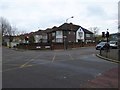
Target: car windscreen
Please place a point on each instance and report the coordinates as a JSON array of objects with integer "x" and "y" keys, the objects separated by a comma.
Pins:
[
  {"x": 102, "y": 43},
  {"x": 113, "y": 42}
]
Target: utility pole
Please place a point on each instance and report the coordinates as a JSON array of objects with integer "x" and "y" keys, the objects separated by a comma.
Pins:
[{"x": 65, "y": 35}]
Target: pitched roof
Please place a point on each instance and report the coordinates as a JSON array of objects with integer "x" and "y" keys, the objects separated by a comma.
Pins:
[
  {"x": 39, "y": 32},
  {"x": 86, "y": 31},
  {"x": 49, "y": 30},
  {"x": 69, "y": 26},
  {"x": 65, "y": 26}
]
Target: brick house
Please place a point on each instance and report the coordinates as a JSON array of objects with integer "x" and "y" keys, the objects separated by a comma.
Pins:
[
  {"x": 41, "y": 36},
  {"x": 65, "y": 36},
  {"x": 67, "y": 33}
]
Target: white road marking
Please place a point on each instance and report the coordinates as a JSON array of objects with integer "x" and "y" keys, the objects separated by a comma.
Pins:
[
  {"x": 25, "y": 64},
  {"x": 10, "y": 69},
  {"x": 53, "y": 58},
  {"x": 71, "y": 57}
]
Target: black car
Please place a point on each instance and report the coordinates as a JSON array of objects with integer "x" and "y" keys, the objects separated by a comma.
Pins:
[{"x": 101, "y": 46}]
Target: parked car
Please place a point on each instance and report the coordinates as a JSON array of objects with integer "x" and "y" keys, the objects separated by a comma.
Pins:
[
  {"x": 101, "y": 46},
  {"x": 113, "y": 44}
]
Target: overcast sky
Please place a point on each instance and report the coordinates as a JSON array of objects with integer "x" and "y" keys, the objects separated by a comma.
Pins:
[{"x": 31, "y": 15}]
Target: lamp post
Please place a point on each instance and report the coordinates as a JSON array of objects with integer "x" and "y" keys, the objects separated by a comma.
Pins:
[
  {"x": 65, "y": 34},
  {"x": 68, "y": 19}
]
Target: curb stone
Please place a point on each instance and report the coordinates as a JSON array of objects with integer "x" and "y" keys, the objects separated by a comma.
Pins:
[{"x": 108, "y": 59}]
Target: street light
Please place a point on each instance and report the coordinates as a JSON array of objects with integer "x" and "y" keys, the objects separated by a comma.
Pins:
[
  {"x": 68, "y": 19},
  {"x": 65, "y": 36}
]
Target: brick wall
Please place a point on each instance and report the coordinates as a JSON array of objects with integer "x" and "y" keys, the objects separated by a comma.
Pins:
[
  {"x": 71, "y": 45},
  {"x": 53, "y": 46},
  {"x": 34, "y": 46}
]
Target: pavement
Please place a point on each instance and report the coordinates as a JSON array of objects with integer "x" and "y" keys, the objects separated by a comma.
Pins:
[{"x": 108, "y": 79}]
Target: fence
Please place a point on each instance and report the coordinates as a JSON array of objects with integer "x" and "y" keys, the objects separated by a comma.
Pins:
[{"x": 112, "y": 54}]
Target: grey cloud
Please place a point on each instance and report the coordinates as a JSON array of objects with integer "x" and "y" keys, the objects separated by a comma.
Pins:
[
  {"x": 95, "y": 11},
  {"x": 47, "y": 13}
]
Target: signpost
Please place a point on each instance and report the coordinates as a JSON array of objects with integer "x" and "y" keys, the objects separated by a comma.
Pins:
[{"x": 107, "y": 39}]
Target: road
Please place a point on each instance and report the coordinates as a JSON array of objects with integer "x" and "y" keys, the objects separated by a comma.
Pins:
[{"x": 52, "y": 69}]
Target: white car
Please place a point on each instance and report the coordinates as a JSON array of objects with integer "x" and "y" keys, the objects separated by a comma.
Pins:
[{"x": 113, "y": 44}]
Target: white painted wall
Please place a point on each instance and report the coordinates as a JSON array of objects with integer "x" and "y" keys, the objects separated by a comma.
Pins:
[
  {"x": 78, "y": 36},
  {"x": 12, "y": 44}
]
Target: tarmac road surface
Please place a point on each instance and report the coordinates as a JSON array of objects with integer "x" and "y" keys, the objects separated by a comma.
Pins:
[{"x": 55, "y": 69}]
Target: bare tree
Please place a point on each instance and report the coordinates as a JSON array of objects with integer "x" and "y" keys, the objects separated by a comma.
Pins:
[
  {"x": 14, "y": 31},
  {"x": 23, "y": 32},
  {"x": 95, "y": 31},
  {"x": 5, "y": 27}
]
